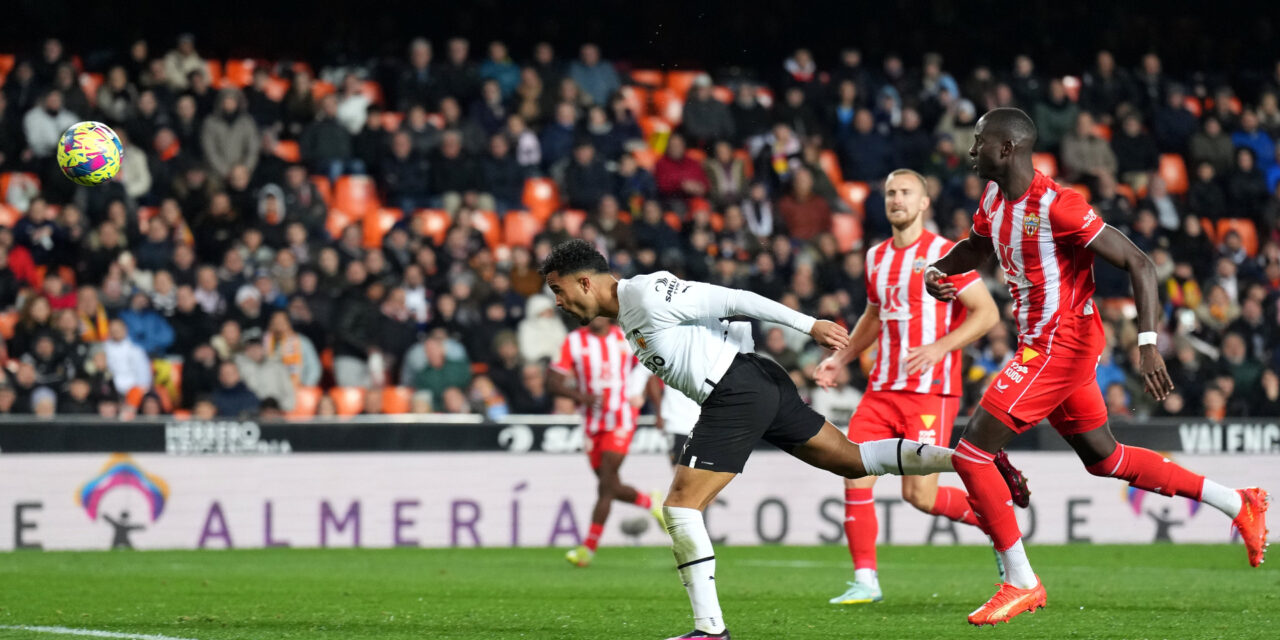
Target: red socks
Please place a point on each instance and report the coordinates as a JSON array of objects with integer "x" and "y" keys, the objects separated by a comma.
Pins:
[
  {"x": 643, "y": 500},
  {"x": 593, "y": 536},
  {"x": 861, "y": 527},
  {"x": 953, "y": 503},
  {"x": 1148, "y": 470},
  {"x": 988, "y": 494}
]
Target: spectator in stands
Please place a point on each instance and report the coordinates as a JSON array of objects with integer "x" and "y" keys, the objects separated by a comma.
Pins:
[
  {"x": 608, "y": 139},
  {"x": 1251, "y": 136},
  {"x": 706, "y": 119},
  {"x": 1211, "y": 145},
  {"x": 557, "y": 136},
  {"x": 911, "y": 143},
  {"x": 181, "y": 61},
  {"x": 1246, "y": 187},
  {"x": 1235, "y": 362},
  {"x": 416, "y": 84},
  {"x": 405, "y": 176},
  {"x": 1267, "y": 402},
  {"x": 456, "y": 178},
  {"x": 1205, "y": 197},
  {"x": 1105, "y": 87},
  {"x": 502, "y": 176},
  {"x": 1174, "y": 125},
  {"x": 434, "y": 369},
  {"x": 147, "y": 328},
  {"x": 229, "y": 137},
  {"x": 266, "y": 377},
  {"x": 499, "y": 67},
  {"x": 457, "y": 76},
  {"x": 473, "y": 135},
  {"x": 325, "y": 145},
  {"x": 541, "y": 332},
  {"x": 804, "y": 212},
  {"x": 726, "y": 176},
  {"x": 867, "y": 155},
  {"x": 232, "y": 397},
  {"x": 1135, "y": 152},
  {"x": 126, "y": 360},
  {"x": 586, "y": 180},
  {"x": 679, "y": 177},
  {"x": 1085, "y": 156},
  {"x": 489, "y": 112},
  {"x": 527, "y": 146},
  {"x": 43, "y": 125},
  {"x": 595, "y": 75}
]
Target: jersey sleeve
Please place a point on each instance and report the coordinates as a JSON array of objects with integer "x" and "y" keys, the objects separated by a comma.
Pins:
[
  {"x": 1073, "y": 220},
  {"x": 963, "y": 280},
  {"x": 686, "y": 301},
  {"x": 982, "y": 217},
  {"x": 564, "y": 364},
  {"x": 873, "y": 296}
]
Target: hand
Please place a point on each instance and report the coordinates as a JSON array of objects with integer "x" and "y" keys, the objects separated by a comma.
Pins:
[
  {"x": 829, "y": 335},
  {"x": 924, "y": 358},
  {"x": 1155, "y": 377},
  {"x": 590, "y": 400},
  {"x": 935, "y": 282},
  {"x": 825, "y": 374},
  {"x": 659, "y": 423}
]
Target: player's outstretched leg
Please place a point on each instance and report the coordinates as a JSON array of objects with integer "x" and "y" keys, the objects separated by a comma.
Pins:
[
  {"x": 989, "y": 495},
  {"x": 691, "y": 491},
  {"x": 1151, "y": 471},
  {"x": 831, "y": 450}
]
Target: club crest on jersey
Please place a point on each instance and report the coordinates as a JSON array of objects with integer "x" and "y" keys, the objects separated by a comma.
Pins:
[
  {"x": 635, "y": 335},
  {"x": 918, "y": 265},
  {"x": 1031, "y": 224}
]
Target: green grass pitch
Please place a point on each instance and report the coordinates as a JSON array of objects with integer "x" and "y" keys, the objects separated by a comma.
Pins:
[{"x": 1132, "y": 592}]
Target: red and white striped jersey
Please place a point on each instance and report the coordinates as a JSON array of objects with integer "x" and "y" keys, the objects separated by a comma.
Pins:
[
  {"x": 1042, "y": 241},
  {"x": 601, "y": 366},
  {"x": 910, "y": 317}
]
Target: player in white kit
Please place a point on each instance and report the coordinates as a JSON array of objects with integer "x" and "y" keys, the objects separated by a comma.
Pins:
[{"x": 677, "y": 329}]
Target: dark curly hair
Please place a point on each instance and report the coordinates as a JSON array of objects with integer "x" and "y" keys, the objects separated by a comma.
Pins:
[{"x": 574, "y": 256}]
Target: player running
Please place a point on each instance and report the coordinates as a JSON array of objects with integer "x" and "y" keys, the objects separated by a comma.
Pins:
[
  {"x": 915, "y": 389},
  {"x": 600, "y": 360},
  {"x": 1045, "y": 238},
  {"x": 676, "y": 329}
]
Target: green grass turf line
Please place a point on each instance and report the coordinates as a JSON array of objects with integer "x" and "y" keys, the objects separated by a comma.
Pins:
[{"x": 1132, "y": 592}]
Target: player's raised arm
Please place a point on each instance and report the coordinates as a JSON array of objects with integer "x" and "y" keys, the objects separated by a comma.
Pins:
[
  {"x": 691, "y": 301},
  {"x": 965, "y": 256},
  {"x": 863, "y": 335},
  {"x": 1117, "y": 249},
  {"x": 980, "y": 315}
]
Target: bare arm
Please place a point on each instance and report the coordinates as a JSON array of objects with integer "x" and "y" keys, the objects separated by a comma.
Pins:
[
  {"x": 1117, "y": 249},
  {"x": 558, "y": 384},
  {"x": 863, "y": 335},
  {"x": 965, "y": 256},
  {"x": 653, "y": 390},
  {"x": 981, "y": 314}
]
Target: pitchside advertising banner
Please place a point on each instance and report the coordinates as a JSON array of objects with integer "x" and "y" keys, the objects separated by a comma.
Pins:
[{"x": 162, "y": 501}]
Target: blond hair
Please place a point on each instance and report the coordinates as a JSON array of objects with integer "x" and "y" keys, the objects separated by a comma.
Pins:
[{"x": 924, "y": 186}]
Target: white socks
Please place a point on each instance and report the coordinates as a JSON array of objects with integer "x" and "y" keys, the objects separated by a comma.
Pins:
[
  {"x": 867, "y": 577},
  {"x": 696, "y": 563},
  {"x": 904, "y": 457},
  {"x": 1017, "y": 568},
  {"x": 1222, "y": 498}
]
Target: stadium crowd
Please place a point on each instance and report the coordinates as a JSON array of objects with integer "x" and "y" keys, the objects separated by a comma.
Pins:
[{"x": 375, "y": 231}]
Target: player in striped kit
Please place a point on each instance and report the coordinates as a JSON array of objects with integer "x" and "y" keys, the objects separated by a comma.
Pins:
[
  {"x": 599, "y": 359},
  {"x": 1045, "y": 238},
  {"x": 914, "y": 390}
]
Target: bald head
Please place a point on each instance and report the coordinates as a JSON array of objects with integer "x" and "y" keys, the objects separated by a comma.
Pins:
[{"x": 1012, "y": 125}]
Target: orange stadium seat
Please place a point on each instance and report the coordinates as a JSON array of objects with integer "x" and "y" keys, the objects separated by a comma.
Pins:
[
  {"x": 276, "y": 88},
  {"x": 1045, "y": 163},
  {"x": 396, "y": 400},
  {"x": 391, "y": 120},
  {"x": 847, "y": 230},
  {"x": 357, "y": 195},
  {"x": 541, "y": 197},
  {"x": 377, "y": 224},
  {"x": 305, "y": 400},
  {"x": 1192, "y": 104},
  {"x": 647, "y": 158},
  {"x": 1174, "y": 172},
  {"x": 519, "y": 228},
  {"x": 681, "y": 82},
  {"x": 320, "y": 89},
  {"x": 8, "y": 320},
  {"x": 348, "y": 401},
  {"x": 698, "y": 155},
  {"x": 1243, "y": 226},
  {"x": 668, "y": 104},
  {"x": 723, "y": 94},
  {"x": 747, "y": 163},
  {"x": 9, "y": 216},
  {"x": 654, "y": 127},
  {"x": 89, "y": 83},
  {"x": 855, "y": 195},
  {"x": 337, "y": 221},
  {"x": 432, "y": 223},
  {"x": 831, "y": 166},
  {"x": 1082, "y": 189},
  {"x": 1127, "y": 191},
  {"x": 573, "y": 219},
  {"x": 1102, "y": 131},
  {"x": 673, "y": 220},
  {"x": 214, "y": 69},
  {"x": 324, "y": 187},
  {"x": 488, "y": 224},
  {"x": 1210, "y": 230},
  {"x": 372, "y": 90},
  {"x": 652, "y": 78},
  {"x": 10, "y": 176},
  {"x": 288, "y": 151},
  {"x": 239, "y": 72},
  {"x": 7, "y": 60}
]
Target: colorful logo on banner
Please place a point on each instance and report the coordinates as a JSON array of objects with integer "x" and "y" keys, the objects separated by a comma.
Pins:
[
  {"x": 1136, "y": 496},
  {"x": 122, "y": 472}
]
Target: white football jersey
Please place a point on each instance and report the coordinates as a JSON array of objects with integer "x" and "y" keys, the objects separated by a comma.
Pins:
[{"x": 680, "y": 332}]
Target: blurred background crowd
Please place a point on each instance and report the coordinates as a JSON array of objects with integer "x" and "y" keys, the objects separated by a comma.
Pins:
[{"x": 286, "y": 240}]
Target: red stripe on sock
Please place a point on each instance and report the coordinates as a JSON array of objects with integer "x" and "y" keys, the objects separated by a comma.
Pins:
[
  {"x": 593, "y": 536},
  {"x": 953, "y": 503},
  {"x": 1150, "y": 471},
  {"x": 989, "y": 497},
  {"x": 861, "y": 527}
]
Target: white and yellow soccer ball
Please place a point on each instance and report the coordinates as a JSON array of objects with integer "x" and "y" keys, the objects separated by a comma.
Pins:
[{"x": 89, "y": 153}]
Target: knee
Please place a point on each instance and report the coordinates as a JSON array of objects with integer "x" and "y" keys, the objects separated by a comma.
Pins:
[{"x": 919, "y": 498}]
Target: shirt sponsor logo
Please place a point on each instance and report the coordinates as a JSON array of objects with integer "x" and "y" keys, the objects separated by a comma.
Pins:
[
  {"x": 1090, "y": 217},
  {"x": 1015, "y": 371}
]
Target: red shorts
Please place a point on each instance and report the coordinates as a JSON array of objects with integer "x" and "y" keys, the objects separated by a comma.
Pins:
[
  {"x": 922, "y": 417},
  {"x": 618, "y": 440},
  {"x": 1033, "y": 387}
]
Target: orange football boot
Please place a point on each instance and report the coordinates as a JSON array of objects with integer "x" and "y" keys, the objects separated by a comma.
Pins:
[
  {"x": 1252, "y": 523},
  {"x": 1008, "y": 602}
]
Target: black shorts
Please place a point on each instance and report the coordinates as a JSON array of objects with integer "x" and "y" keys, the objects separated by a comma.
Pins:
[
  {"x": 678, "y": 441},
  {"x": 755, "y": 399}
]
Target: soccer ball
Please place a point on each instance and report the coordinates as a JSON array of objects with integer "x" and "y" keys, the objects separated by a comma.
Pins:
[{"x": 89, "y": 153}]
